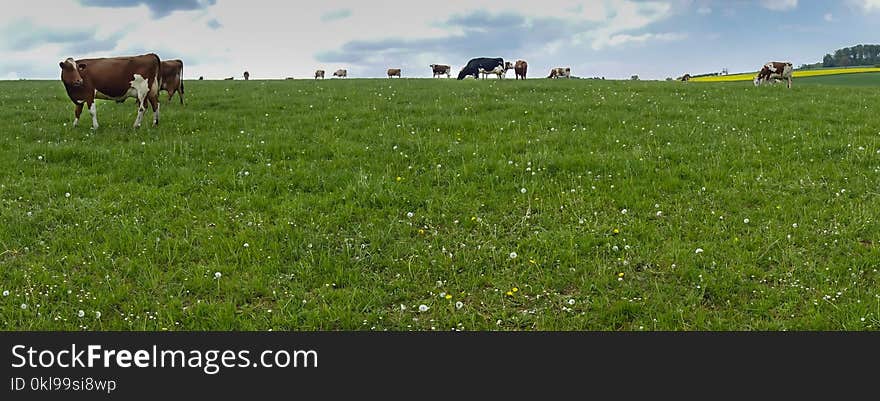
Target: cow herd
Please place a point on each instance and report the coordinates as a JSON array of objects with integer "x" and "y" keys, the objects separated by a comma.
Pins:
[
  {"x": 476, "y": 68},
  {"x": 142, "y": 77}
]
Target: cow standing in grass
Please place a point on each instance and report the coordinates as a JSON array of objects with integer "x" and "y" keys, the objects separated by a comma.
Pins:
[
  {"x": 520, "y": 68},
  {"x": 560, "y": 72},
  {"x": 319, "y": 74},
  {"x": 775, "y": 70},
  {"x": 172, "y": 78},
  {"x": 440, "y": 69},
  {"x": 394, "y": 72},
  {"x": 474, "y": 66},
  {"x": 340, "y": 73},
  {"x": 114, "y": 78}
]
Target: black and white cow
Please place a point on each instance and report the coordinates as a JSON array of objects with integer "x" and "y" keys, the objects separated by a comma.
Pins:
[
  {"x": 474, "y": 65},
  {"x": 774, "y": 70}
]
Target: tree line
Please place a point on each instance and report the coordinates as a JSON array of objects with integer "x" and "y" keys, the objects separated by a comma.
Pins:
[{"x": 851, "y": 56}]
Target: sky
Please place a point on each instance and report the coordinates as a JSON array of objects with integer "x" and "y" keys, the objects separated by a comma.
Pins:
[{"x": 274, "y": 39}]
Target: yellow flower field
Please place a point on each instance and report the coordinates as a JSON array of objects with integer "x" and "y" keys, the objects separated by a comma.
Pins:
[{"x": 797, "y": 74}]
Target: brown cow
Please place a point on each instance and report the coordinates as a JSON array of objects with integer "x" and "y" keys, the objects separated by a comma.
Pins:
[
  {"x": 440, "y": 69},
  {"x": 394, "y": 72},
  {"x": 172, "y": 78},
  {"x": 115, "y": 78},
  {"x": 560, "y": 72},
  {"x": 520, "y": 69},
  {"x": 775, "y": 70},
  {"x": 319, "y": 74}
]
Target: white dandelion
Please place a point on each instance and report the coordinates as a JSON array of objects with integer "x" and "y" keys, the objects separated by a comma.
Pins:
[
  {"x": 698, "y": 251},
  {"x": 81, "y": 313},
  {"x": 410, "y": 214},
  {"x": 217, "y": 275},
  {"x": 513, "y": 255},
  {"x": 423, "y": 308},
  {"x": 459, "y": 305}
]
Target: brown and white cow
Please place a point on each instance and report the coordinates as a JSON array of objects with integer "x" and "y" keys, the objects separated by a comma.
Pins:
[
  {"x": 394, "y": 72},
  {"x": 319, "y": 74},
  {"x": 520, "y": 68},
  {"x": 775, "y": 70},
  {"x": 114, "y": 78},
  {"x": 440, "y": 69},
  {"x": 340, "y": 73},
  {"x": 172, "y": 78},
  {"x": 560, "y": 72}
]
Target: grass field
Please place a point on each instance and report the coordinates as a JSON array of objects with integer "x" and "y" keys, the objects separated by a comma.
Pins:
[{"x": 492, "y": 205}]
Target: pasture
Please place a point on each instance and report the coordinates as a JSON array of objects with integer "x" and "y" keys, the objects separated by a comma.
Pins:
[{"x": 441, "y": 204}]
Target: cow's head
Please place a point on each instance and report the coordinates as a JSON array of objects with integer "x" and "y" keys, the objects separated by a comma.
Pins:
[
  {"x": 70, "y": 72},
  {"x": 508, "y": 65}
]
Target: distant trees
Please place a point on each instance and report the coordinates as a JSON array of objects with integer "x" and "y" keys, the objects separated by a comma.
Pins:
[{"x": 856, "y": 55}]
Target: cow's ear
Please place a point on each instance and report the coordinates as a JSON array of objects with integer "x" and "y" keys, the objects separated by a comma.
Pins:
[
  {"x": 81, "y": 66},
  {"x": 61, "y": 64}
]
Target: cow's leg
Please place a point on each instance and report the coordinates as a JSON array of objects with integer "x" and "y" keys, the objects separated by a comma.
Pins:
[
  {"x": 76, "y": 112},
  {"x": 93, "y": 110},
  {"x": 154, "y": 103},
  {"x": 141, "y": 109},
  {"x": 789, "y": 82}
]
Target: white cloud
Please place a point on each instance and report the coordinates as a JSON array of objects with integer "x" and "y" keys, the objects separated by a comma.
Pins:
[
  {"x": 779, "y": 5},
  {"x": 704, "y": 10},
  {"x": 623, "y": 38},
  {"x": 870, "y": 5},
  {"x": 828, "y": 17},
  {"x": 275, "y": 39}
]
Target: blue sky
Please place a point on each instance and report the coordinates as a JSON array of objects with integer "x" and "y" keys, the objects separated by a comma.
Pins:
[{"x": 277, "y": 39}]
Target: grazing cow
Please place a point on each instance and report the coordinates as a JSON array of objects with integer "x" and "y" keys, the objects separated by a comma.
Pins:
[
  {"x": 685, "y": 78},
  {"x": 440, "y": 69},
  {"x": 201, "y": 78},
  {"x": 341, "y": 73},
  {"x": 520, "y": 69},
  {"x": 228, "y": 79},
  {"x": 775, "y": 70},
  {"x": 560, "y": 72},
  {"x": 394, "y": 72},
  {"x": 319, "y": 74},
  {"x": 247, "y": 75},
  {"x": 172, "y": 78},
  {"x": 474, "y": 65},
  {"x": 115, "y": 78}
]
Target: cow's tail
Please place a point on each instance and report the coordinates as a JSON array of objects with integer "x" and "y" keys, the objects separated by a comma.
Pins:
[
  {"x": 158, "y": 78},
  {"x": 180, "y": 79}
]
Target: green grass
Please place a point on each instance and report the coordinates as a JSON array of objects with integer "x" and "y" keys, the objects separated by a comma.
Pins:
[
  {"x": 866, "y": 79},
  {"x": 306, "y": 174}
]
